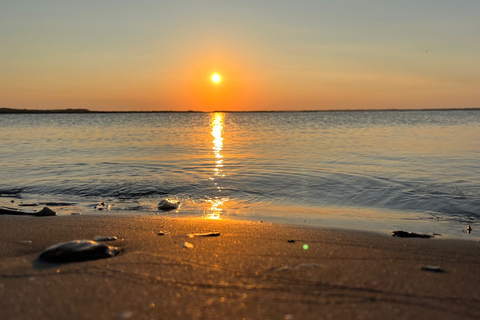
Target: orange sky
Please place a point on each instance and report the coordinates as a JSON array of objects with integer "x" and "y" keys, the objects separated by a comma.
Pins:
[{"x": 271, "y": 56}]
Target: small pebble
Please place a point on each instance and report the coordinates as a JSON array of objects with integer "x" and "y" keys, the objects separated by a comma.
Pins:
[
  {"x": 76, "y": 213},
  {"x": 162, "y": 233},
  {"x": 291, "y": 241}
]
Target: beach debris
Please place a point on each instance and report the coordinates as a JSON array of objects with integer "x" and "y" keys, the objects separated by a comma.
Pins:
[
  {"x": 291, "y": 241},
  {"x": 469, "y": 229},
  {"x": 168, "y": 205},
  {"x": 432, "y": 268},
  {"x": 162, "y": 233},
  {"x": 187, "y": 245},
  {"x": 303, "y": 265},
  {"x": 78, "y": 250},
  {"x": 205, "y": 234},
  {"x": 46, "y": 211},
  {"x": 103, "y": 206},
  {"x": 12, "y": 201},
  {"x": 105, "y": 238},
  {"x": 405, "y": 234}
]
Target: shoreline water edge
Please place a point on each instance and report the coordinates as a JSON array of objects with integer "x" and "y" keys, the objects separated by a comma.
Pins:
[{"x": 366, "y": 170}]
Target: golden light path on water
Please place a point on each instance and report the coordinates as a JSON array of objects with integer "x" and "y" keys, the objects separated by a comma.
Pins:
[{"x": 216, "y": 123}]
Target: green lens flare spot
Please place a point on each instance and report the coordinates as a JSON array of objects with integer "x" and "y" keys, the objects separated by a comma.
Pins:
[{"x": 305, "y": 247}]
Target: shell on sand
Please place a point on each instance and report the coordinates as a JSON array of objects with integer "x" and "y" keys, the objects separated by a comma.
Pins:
[{"x": 78, "y": 250}]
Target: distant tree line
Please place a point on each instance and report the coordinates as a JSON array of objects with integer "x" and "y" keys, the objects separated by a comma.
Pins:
[{"x": 12, "y": 110}]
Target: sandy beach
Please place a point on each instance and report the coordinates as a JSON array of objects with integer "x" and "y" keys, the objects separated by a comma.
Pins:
[{"x": 250, "y": 271}]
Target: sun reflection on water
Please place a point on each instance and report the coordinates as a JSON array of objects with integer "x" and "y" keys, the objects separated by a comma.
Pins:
[{"x": 216, "y": 210}]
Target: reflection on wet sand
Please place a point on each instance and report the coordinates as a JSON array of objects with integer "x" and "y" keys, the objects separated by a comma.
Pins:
[{"x": 217, "y": 202}]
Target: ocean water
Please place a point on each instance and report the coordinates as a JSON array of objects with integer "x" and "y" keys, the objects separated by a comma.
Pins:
[{"x": 384, "y": 170}]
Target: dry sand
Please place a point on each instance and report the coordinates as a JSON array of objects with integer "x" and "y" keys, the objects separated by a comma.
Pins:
[{"x": 250, "y": 271}]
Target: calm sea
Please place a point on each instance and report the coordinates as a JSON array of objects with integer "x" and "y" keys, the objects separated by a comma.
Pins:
[{"x": 416, "y": 170}]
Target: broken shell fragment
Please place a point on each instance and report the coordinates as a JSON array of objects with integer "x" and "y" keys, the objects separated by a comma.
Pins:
[
  {"x": 187, "y": 245},
  {"x": 432, "y": 268}
]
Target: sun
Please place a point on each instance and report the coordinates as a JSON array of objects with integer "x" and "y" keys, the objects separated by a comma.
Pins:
[{"x": 216, "y": 78}]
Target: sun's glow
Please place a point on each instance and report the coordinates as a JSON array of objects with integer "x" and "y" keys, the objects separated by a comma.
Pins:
[{"x": 216, "y": 78}]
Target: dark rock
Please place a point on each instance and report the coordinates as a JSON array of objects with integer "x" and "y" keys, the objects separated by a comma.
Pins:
[
  {"x": 405, "y": 234},
  {"x": 166, "y": 205},
  {"x": 291, "y": 241},
  {"x": 41, "y": 213},
  {"x": 78, "y": 250},
  {"x": 46, "y": 211}
]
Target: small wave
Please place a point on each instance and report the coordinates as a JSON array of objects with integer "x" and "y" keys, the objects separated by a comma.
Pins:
[{"x": 10, "y": 192}]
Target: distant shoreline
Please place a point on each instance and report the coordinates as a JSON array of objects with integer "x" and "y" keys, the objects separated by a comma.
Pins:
[{"x": 52, "y": 111}]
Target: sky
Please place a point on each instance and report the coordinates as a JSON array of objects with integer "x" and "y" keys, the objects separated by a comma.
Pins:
[{"x": 271, "y": 55}]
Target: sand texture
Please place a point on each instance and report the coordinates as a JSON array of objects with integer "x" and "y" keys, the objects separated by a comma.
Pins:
[{"x": 249, "y": 271}]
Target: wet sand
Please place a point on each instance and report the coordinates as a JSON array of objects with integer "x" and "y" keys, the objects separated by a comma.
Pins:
[{"x": 249, "y": 271}]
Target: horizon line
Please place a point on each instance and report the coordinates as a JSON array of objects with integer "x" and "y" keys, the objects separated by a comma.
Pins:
[{"x": 83, "y": 110}]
